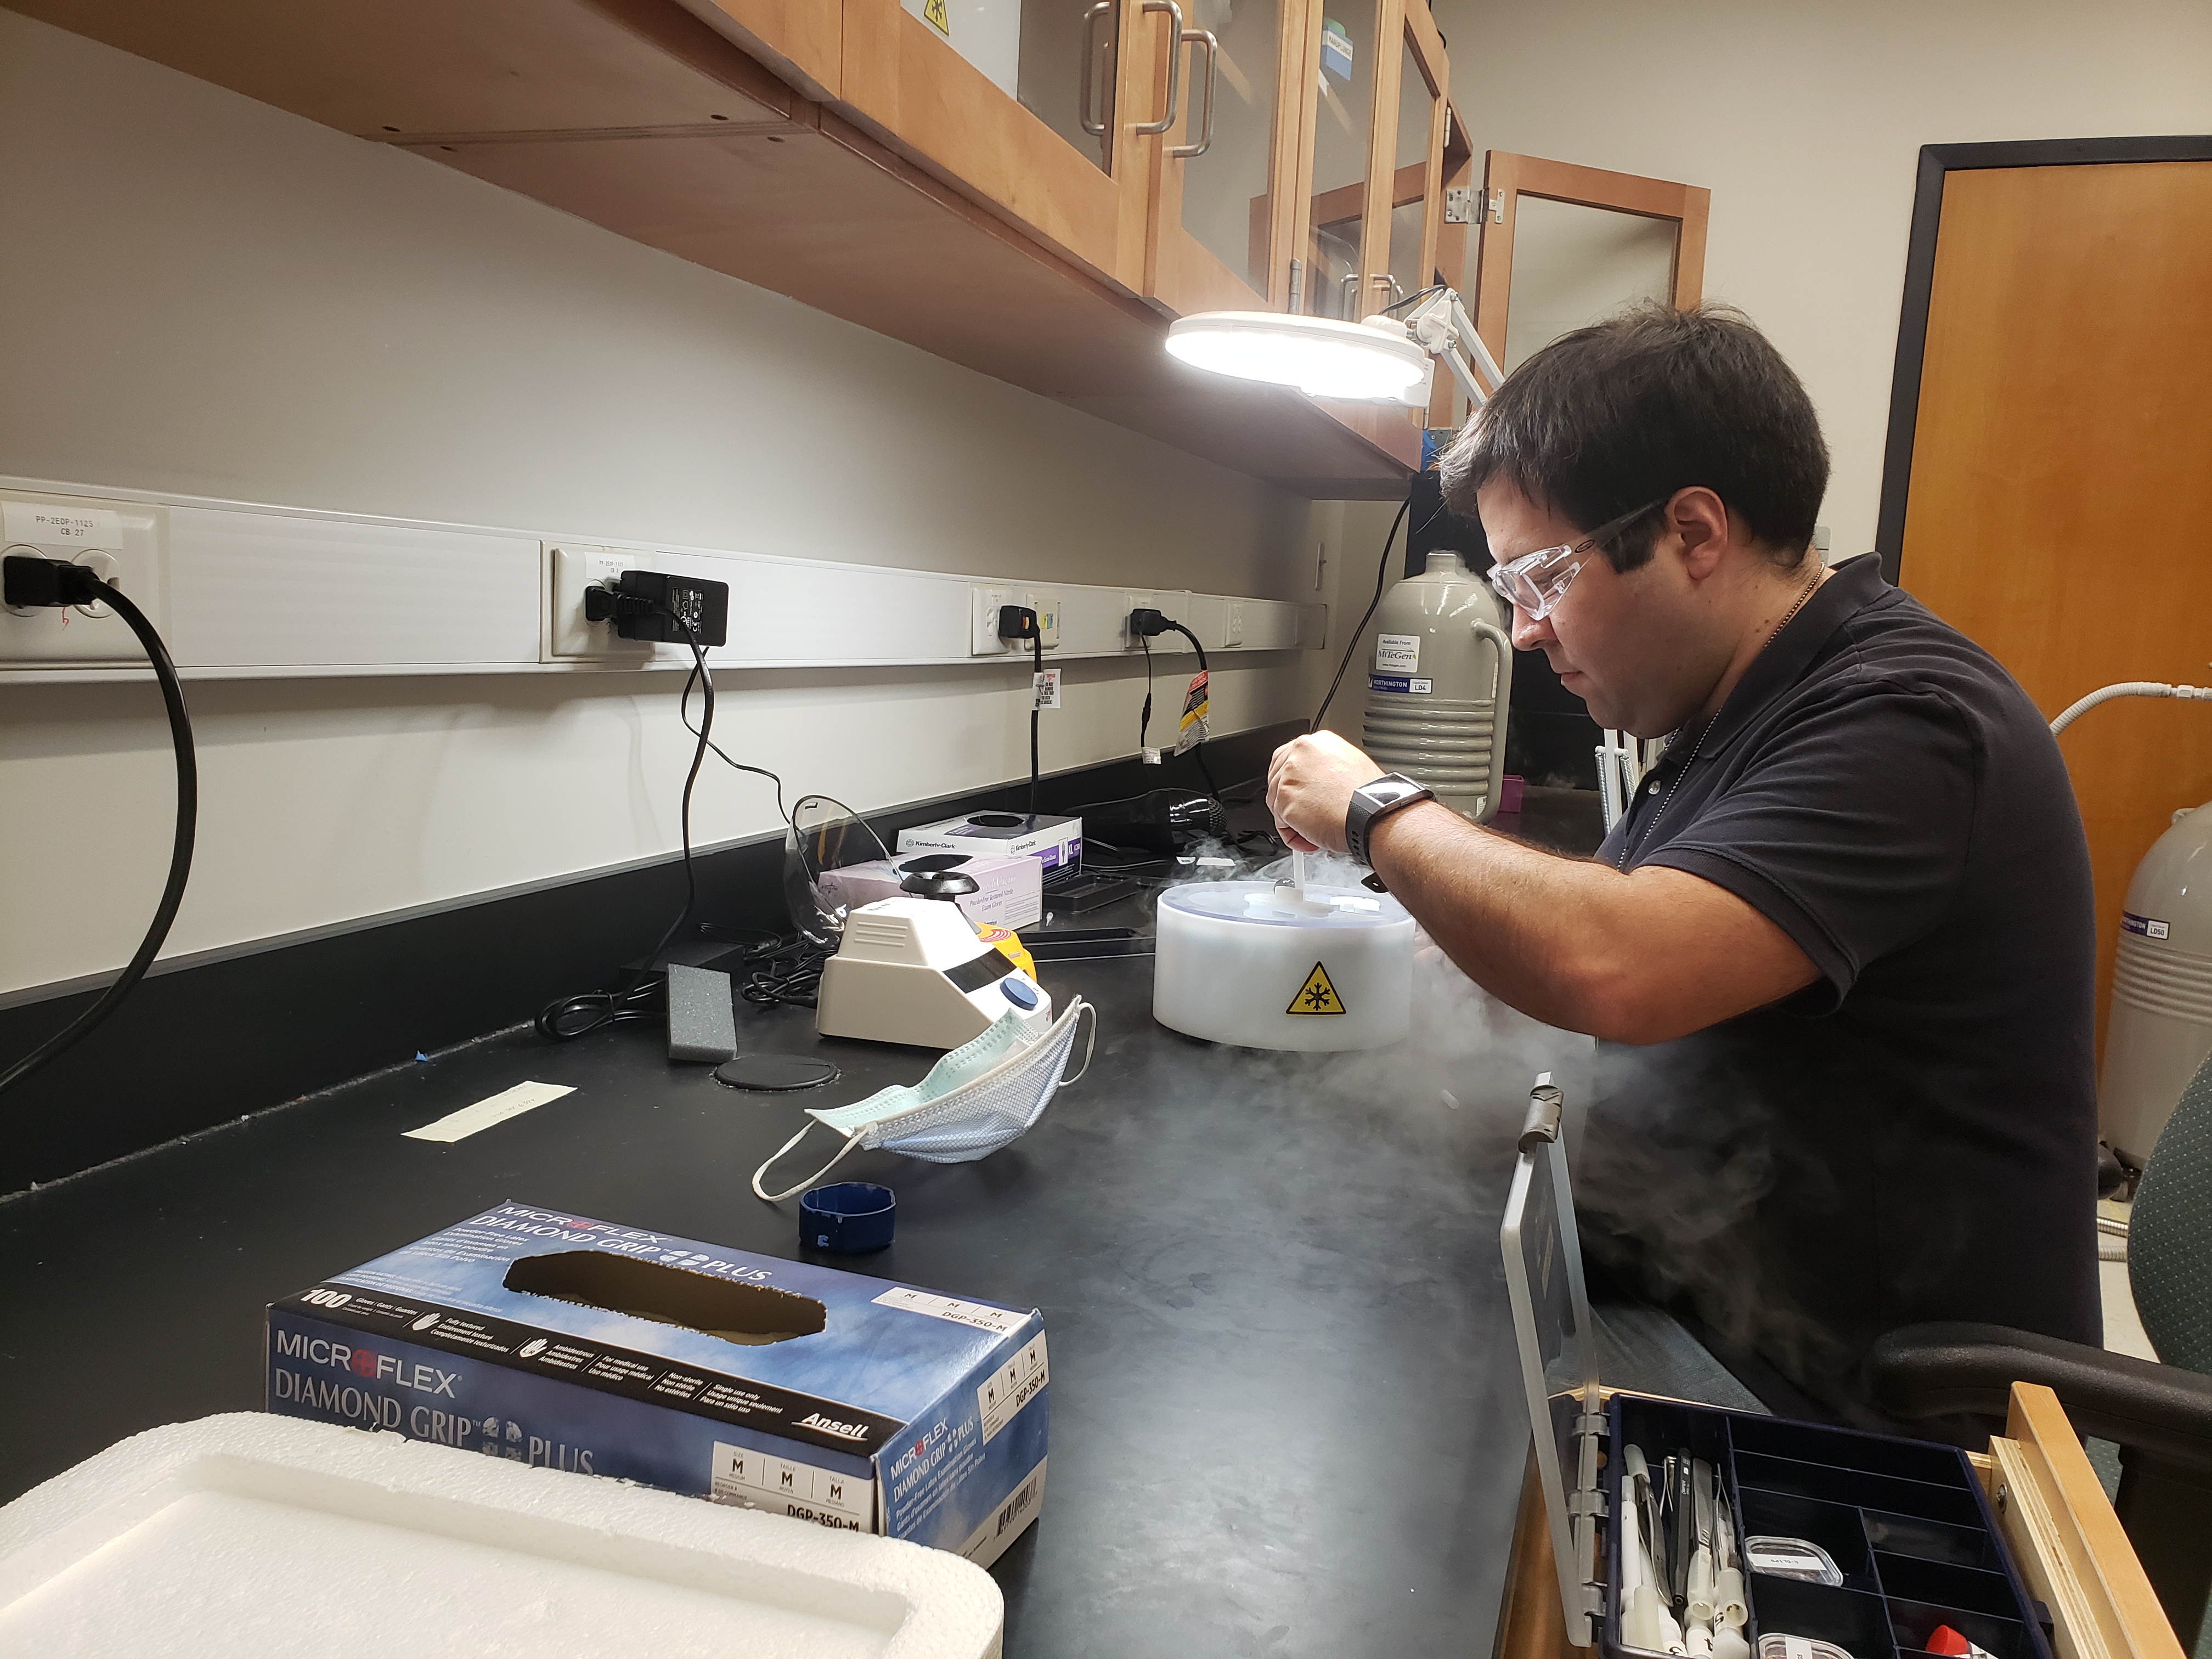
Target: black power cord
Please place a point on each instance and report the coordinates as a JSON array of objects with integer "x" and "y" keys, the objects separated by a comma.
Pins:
[
  {"x": 1144, "y": 623},
  {"x": 1381, "y": 579},
  {"x": 54, "y": 582},
  {"x": 645, "y": 995},
  {"x": 1018, "y": 622}
]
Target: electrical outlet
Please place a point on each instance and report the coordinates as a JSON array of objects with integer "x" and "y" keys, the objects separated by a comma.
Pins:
[
  {"x": 122, "y": 540},
  {"x": 571, "y": 569},
  {"x": 1233, "y": 632},
  {"x": 1132, "y": 601},
  {"x": 983, "y": 639},
  {"x": 1046, "y": 606}
]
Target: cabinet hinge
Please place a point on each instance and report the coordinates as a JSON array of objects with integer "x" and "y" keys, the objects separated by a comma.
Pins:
[
  {"x": 1459, "y": 204},
  {"x": 1497, "y": 207}
]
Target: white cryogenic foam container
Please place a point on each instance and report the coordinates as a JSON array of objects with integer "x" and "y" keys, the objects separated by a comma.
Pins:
[
  {"x": 1242, "y": 962},
  {"x": 248, "y": 1536}
]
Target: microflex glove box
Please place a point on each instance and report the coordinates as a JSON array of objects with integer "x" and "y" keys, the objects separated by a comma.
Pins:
[{"x": 549, "y": 1338}]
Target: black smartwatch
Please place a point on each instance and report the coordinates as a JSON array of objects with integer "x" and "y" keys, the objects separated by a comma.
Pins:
[{"x": 1373, "y": 801}]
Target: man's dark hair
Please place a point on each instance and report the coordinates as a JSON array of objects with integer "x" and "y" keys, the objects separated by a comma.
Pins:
[{"x": 1631, "y": 410}]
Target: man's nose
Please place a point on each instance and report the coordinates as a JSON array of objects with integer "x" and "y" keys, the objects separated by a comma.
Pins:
[{"x": 1528, "y": 633}]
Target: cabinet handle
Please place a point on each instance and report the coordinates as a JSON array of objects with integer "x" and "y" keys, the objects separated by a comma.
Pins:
[
  {"x": 1200, "y": 38},
  {"x": 1085, "y": 97},
  {"x": 1153, "y": 129}
]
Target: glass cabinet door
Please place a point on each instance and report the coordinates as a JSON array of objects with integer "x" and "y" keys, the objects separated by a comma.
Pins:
[
  {"x": 1346, "y": 68},
  {"x": 1378, "y": 125},
  {"x": 1416, "y": 202},
  {"x": 1225, "y": 216},
  {"x": 1042, "y": 108}
]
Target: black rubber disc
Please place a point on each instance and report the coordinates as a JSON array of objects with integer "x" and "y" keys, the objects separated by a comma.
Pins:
[{"x": 775, "y": 1072}]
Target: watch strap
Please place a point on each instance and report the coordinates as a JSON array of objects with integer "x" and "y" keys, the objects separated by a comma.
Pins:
[{"x": 1372, "y": 802}]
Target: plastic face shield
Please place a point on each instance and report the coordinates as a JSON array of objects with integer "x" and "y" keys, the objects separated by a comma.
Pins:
[
  {"x": 1558, "y": 1351},
  {"x": 823, "y": 834}
]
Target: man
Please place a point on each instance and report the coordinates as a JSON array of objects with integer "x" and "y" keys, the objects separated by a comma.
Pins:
[{"x": 1838, "y": 954}]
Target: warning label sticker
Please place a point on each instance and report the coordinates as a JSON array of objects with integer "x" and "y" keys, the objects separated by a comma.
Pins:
[
  {"x": 933, "y": 13},
  {"x": 1316, "y": 995}
]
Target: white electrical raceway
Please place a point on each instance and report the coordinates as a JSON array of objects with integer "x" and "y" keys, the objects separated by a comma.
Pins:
[{"x": 241, "y": 591}]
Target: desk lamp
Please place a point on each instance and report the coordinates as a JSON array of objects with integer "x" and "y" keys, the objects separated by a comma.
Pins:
[{"x": 1383, "y": 358}]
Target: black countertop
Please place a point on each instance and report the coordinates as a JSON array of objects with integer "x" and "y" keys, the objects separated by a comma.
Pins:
[{"x": 1285, "y": 1415}]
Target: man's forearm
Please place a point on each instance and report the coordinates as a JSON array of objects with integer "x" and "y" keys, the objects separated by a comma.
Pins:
[
  {"x": 1642, "y": 957},
  {"x": 1539, "y": 931}
]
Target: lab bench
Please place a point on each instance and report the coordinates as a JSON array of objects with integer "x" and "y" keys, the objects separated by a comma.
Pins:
[{"x": 1284, "y": 1417}]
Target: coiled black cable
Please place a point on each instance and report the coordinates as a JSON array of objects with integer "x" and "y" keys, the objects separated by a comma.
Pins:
[{"x": 180, "y": 848}]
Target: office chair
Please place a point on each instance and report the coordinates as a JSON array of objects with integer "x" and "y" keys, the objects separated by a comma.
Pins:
[{"x": 2160, "y": 1414}]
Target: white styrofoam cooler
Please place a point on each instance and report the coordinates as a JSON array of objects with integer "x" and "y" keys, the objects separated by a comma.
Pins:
[
  {"x": 250, "y": 1537},
  {"x": 1239, "y": 963}
]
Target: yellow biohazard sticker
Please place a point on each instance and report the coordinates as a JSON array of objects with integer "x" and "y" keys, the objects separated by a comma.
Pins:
[
  {"x": 1316, "y": 995},
  {"x": 933, "y": 13}
]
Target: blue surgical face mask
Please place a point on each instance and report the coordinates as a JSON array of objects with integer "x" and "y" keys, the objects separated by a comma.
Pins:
[{"x": 979, "y": 1097}]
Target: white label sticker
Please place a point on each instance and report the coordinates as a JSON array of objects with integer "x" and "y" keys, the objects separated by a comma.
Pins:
[
  {"x": 1397, "y": 653},
  {"x": 762, "y": 1480},
  {"x": 1012, "y": 1387},
  {"x": 492, "y": 1109},
  {"x": 40, "y": 524},
  {"x": 1421, "y": 688},
  {"x": 982, "y": 1317},
  {"x": 1047, "y": 689}
]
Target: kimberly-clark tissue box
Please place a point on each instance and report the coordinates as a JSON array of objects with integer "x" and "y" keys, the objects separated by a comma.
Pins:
[{"x": 551, "y": 1339}]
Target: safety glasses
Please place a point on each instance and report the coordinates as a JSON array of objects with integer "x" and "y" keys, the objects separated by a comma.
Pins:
[{"x": 1534, "y": 583}]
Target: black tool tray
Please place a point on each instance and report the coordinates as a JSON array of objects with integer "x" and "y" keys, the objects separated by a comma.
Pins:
[{"x": 1906, "y": 1522}]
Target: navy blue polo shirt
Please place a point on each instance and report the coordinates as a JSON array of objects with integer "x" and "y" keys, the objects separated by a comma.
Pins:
[{"x": 1913, "y": 1136}]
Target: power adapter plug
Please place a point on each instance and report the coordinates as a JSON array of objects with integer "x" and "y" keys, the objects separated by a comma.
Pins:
[
  {"x": 655, "y": 604},
  {"x": 1017, "y": 622}
]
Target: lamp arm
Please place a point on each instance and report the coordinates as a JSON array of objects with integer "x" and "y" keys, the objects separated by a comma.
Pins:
[
  {"x": 1464, "y": 326},
  {"x": 1442, "y": 328}
]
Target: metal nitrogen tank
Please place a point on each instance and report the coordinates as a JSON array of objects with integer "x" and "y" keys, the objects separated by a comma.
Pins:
[
  {"x": 1442, "y": 680},
  {"x": 1248, "y": 963},
  {"x": 2159, "y": 1027}
]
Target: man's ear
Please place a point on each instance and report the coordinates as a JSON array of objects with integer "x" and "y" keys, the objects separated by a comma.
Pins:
[{"x": 1697, "y": 521}]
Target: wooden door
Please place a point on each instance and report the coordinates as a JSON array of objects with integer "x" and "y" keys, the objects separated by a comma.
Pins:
[
  {"x": 2059, "y": 496},
  {"x": 1045, "y": 129}
]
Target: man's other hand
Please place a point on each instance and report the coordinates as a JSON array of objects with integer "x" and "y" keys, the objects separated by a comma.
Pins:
[{"x": 1310, "y": 784}]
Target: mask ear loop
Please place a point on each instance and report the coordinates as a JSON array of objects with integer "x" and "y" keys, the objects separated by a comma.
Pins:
[
  {"x": 851, "y": 1141},
  {"x": 1090, "y": 1043}
]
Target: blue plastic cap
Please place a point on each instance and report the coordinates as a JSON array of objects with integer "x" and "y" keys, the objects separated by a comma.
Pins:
[
  {"x": 848, "y": 1216},
  {"x": 1019, "y": 992}
]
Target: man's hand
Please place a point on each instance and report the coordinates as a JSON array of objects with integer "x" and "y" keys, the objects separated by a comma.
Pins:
[{"x": 1310, "y": 784}]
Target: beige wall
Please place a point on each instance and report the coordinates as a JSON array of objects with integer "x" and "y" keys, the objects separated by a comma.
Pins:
[
  {"x": 202, "y": 295},
  {"x": 1804, "y": 119}
]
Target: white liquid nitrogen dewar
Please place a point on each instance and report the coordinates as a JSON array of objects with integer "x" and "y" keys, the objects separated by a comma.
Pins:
[{"x": 1257, "y": 965}]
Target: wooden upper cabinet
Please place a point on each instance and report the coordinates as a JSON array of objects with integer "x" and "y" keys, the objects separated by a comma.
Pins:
[
  {"x": 802, "y": 41},
  {"x": 1037, "y": 109}
]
